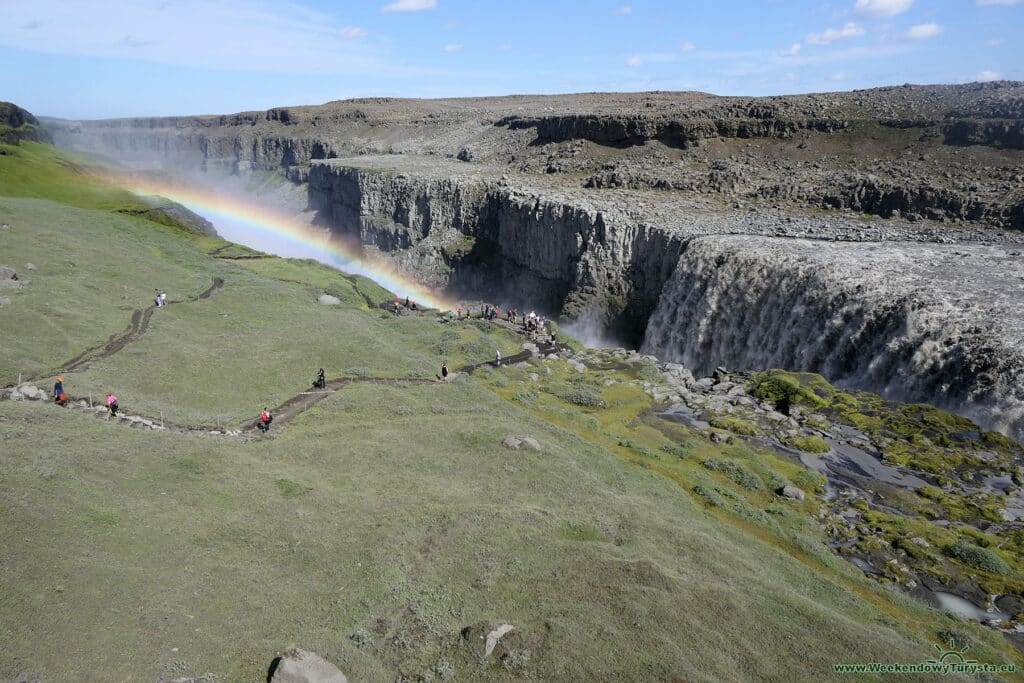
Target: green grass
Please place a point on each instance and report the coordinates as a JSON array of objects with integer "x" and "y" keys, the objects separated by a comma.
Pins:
[
  {"x": 392, "y": 514},
  {"x": 92, "y": 268}
]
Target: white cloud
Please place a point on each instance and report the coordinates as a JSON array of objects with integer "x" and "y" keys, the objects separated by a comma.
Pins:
[
  {"x": 997, "y": 2},
  {"x": 504, "y": 47},
  {"x": 453, "y": 47},
  {"x": 839, "y": 76},
  {"x": 988, "y": 75},
  {"x": 351, "y": 32},
  {"x": 625, "y": 9},
  {"x": 687, "y": 47},
  {"x": 881, "y": 8},
  {"x": 409, "y": 6},
  {"x": 994, "y": 42},
  {"x": 230, "y": 35},
  {"x": 924, "y": 31},
  {"x": 850, "y": 30},
  {"x": 793, "y": 50},
  {"x": 634, "y": 61}
]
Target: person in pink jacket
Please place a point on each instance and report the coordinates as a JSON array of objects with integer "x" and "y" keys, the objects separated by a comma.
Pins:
[{"x": 112, "y": 404}]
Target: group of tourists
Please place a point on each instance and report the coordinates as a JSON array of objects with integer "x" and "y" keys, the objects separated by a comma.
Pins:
[
  {"x": 60, "y": 397},
  {"x": 532, "y": 324}
]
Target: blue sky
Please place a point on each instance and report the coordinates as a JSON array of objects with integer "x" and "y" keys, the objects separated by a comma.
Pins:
[{"x": 107, "y": 58}]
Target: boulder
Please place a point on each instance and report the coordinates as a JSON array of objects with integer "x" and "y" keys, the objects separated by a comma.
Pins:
[
  {"x": 518, "y": 442},
  {"x": 299, "y": 666},
  {"x": 328, "y": 300},
  {"x": 531, "y": 443},
  {"x": 8, "y": 273},
  {"x": 4, "y": 301},
  {"x": 494, "y": 636},
  {"x": 29, "y": 266},
  {"x": 31, "y": 392},
  {"x": 791, "y": 492}
]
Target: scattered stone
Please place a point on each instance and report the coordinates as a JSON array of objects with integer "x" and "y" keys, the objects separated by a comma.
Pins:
[
  {"x": 512, "y": 442},
  {"x": 494, "y": 636},
  {"x": 328, "y": 300},
  {"x": 533, "y": 376},
  {"x": 4, "y": 301},
  {"x": 29, "y": 266},
  {"x": 917, "y": 540},
  {"x": 8, "y": 273},
  {"x": 299, "y": 666},
  {"x": 791, "y": 492},
  {"x": 720, "y": 437}
]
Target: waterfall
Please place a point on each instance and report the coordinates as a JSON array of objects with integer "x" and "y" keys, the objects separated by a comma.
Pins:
[{"x": 938, "y": 324}]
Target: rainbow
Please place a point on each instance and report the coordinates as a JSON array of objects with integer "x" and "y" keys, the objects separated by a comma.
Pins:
[{"x": 265, "y": 221}]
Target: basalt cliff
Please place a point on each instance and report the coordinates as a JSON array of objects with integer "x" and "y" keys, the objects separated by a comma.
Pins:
[{"x": 873, "y": 236}]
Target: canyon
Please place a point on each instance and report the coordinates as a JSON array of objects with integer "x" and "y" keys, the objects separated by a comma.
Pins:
[{"x": 872, "y": 236}]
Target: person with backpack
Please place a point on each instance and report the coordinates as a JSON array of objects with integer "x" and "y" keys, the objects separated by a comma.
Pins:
[
  {"x": 60, "y": 397},
  {"x": 264, "y": 422},
  {"x": 444, "y": 372},
  {"x": 321, "y": 380},
  {"x": 112, "y": 404}
]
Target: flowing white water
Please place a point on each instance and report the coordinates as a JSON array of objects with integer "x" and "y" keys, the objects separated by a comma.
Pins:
[{"x": 941, "y": 324}]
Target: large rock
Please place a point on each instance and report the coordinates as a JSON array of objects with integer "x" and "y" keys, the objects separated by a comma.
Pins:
[
  {"x": 328, "y": 300},
  {"x": 32, "y": 392},
  {"x": 791, "y": 492},
  {"x": 8, "y": 273},
  {"x": 300, "y": 666},
  {"x": 518, "y": 442}
]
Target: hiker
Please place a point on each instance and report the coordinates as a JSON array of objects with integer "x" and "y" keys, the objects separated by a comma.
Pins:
[
  {"x": 414, "y": 305},
  {"x": 444, "y": 372},
  {"x": 59, "y": 396},
  {"x": 451, "y": 315},
  {"x": 407, "y": 302},
  {"x": 156, "y": 297},
  {"x": 264, "y": 422},
  {"x": 497, "y": 358},
  {"x": 112, "y": 404},
  {"x": 163, "y": 298},
  {"x": 321, "y": 380}
]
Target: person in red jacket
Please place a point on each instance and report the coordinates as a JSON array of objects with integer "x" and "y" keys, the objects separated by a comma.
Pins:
[{"x": 265, "y": 419}]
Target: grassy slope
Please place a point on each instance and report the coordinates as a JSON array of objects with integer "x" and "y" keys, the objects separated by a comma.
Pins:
[{"x": 392, "y": 513}]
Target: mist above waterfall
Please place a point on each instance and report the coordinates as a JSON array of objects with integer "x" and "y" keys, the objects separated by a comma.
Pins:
[{"x": 591, "y": 329}]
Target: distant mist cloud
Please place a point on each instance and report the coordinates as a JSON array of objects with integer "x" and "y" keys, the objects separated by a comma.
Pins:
[{"x": 453, "y": 47}]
